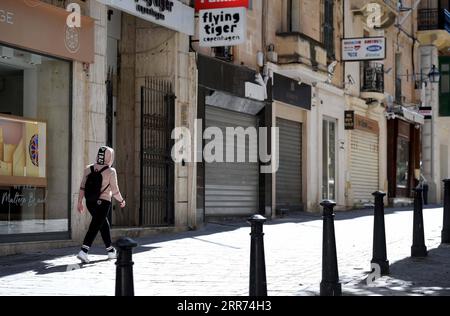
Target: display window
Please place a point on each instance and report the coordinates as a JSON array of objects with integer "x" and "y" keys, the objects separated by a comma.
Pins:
[{"x": 35, "y": 131}]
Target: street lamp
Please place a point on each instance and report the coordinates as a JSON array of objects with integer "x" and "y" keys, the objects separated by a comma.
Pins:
[{"x": 434, "y": 76}]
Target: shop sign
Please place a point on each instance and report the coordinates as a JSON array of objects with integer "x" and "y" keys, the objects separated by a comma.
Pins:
[
  {"x": 365, "y": 124},
  {"x": 37, "y": 26},
  {"x": 289, "y": 91},
  {"x": 222, "y": 27},
  {"x": 349, "y": 120},
  {"x": 368, "y": 48},
  {"x": 427, "y": 112},
  {"x": 219, "y": 4},
  {"x": 169, "y": 13}
]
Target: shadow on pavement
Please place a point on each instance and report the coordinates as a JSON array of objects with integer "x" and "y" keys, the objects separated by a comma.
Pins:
[
  {"x": 39, "y": 262},
  {"x": 428, "y": 276}
]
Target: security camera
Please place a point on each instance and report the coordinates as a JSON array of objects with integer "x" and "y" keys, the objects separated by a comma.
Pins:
[
  {"x": 331, "y": 70},
  {"x": 351, "y": 80},
  {"x": 332, "y": 67},
  {"x": 300, "y": 82}
]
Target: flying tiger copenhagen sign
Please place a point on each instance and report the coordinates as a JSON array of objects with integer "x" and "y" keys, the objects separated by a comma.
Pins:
[{"x": 221, "y": 22}]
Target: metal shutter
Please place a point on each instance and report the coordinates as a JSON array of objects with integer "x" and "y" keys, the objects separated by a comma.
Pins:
[
  {"x": 289, "y": 175},
  {"x": 364, "y": 166},
  {"x": 231, "y": 189}
]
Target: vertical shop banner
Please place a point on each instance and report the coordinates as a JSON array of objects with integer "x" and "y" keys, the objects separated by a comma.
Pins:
[
  {"x": 222, "y": 27},
  {"x": 219, "y": 4}
]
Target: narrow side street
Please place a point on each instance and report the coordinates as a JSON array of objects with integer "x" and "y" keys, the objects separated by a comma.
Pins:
[{"x": 214, "y": 261}]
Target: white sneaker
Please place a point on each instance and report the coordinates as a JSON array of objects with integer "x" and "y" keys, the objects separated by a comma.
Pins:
[
  {"x": 112, "y": 255},
  {"x": 83, "y": 257}
]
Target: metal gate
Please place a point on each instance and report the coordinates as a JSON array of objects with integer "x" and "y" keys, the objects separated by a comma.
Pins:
[
  {"x": 289, "y": 175},
  {"x": 364, "y": 166},
  {"x": 157, "y": 166},
  {"x": 232, "y": 188}
]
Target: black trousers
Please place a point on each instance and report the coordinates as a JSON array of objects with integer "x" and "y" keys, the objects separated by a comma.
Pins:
[{"x": 99, "y": 211}]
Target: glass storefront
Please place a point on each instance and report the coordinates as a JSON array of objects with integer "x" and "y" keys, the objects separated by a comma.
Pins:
[{"x": 35, "y": 131}]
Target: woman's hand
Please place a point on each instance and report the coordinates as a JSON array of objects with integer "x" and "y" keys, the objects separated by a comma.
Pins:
[
  {"x": 80, "y": 207},
  {"x": 123, "y": 204}
]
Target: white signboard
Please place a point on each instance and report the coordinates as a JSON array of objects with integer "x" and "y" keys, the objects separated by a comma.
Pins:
[
  {"x": 222, "y": 27},
  {"x": 169, "y": 13},
  {"x": 369, "y": 48}
]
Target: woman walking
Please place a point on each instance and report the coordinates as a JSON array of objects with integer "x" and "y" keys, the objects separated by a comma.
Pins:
[{"x": 98, "y": 187}]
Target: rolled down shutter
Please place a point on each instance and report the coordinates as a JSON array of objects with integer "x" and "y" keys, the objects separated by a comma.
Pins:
[
  {"x": 231, "y": 189},
  {"x": 289, "y": 175},
  {"x": 364, "y": 166}
]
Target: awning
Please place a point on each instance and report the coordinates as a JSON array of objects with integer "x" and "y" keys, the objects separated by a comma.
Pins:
[{"x": 407, "y": 114}]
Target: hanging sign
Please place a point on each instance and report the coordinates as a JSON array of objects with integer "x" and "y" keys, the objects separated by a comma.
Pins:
[
  {"x": 427, "y": 112},
  {"x": 359, "y": 49},
  {"x": 169, "y": 13},
  {"x": 222, "y": 27},
  {"x": 349, "y": 120},
  {"x": 219, "y": 4}
]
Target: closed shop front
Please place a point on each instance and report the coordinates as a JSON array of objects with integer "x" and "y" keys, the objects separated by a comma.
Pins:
[
  {"x": 230, "y": 182},
  {"x": 231, "y": 188},
  {"x": 364, "y": 161},
  {"x": 289, "y": 175}
]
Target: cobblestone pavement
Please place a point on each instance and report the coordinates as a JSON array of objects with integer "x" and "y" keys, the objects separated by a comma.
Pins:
[{"x": 214, "y": 261}]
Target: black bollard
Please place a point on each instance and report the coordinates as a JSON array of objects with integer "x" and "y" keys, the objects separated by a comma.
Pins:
[
  {"x": 379, "y": 234},
  {"x": 418, "y": 248},
  {"x": 124, "y": 267},
  {"x": 446, "y": 226},
  {"x": 426, "y": 189},
  {"x": 258, "y": 282},
  {"x": 330, "y": 285}
]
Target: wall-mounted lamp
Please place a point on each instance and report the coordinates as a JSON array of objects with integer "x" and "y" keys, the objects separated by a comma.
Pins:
[{"x": 434, "y": 76}]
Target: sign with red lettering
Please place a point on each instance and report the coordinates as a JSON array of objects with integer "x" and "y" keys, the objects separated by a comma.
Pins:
[{"x": 219, "y": 4}]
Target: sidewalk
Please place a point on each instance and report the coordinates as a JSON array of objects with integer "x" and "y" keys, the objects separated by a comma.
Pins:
[{"x": 214, "y": 261}]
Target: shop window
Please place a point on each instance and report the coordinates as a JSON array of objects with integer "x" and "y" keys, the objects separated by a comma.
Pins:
[{"x": 34, "y": 144}]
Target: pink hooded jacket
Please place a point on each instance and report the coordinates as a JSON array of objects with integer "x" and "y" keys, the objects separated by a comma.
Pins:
[{"x": 105, "y": 157}]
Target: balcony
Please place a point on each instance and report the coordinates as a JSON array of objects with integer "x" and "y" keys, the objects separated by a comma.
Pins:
[
  {"x": 433, "y": 19},
  {"x": 373, "y": 81},
  {"x": 295, "y": 47},
  {"x": 434, "y": 27}
]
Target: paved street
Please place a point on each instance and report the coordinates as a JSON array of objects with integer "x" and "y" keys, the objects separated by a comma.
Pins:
[{"x": 215, "y": 261}]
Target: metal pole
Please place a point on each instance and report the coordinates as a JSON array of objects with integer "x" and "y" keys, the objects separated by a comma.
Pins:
[
  {"x": 418, "y": 248},
  {"x": 330, "y": 285},
  {"x": 124, "y": 267},
  {"x": 258, "y": 283},
  {"x": 446, "y": 226},
  {"x": 379, "y": 234}
]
